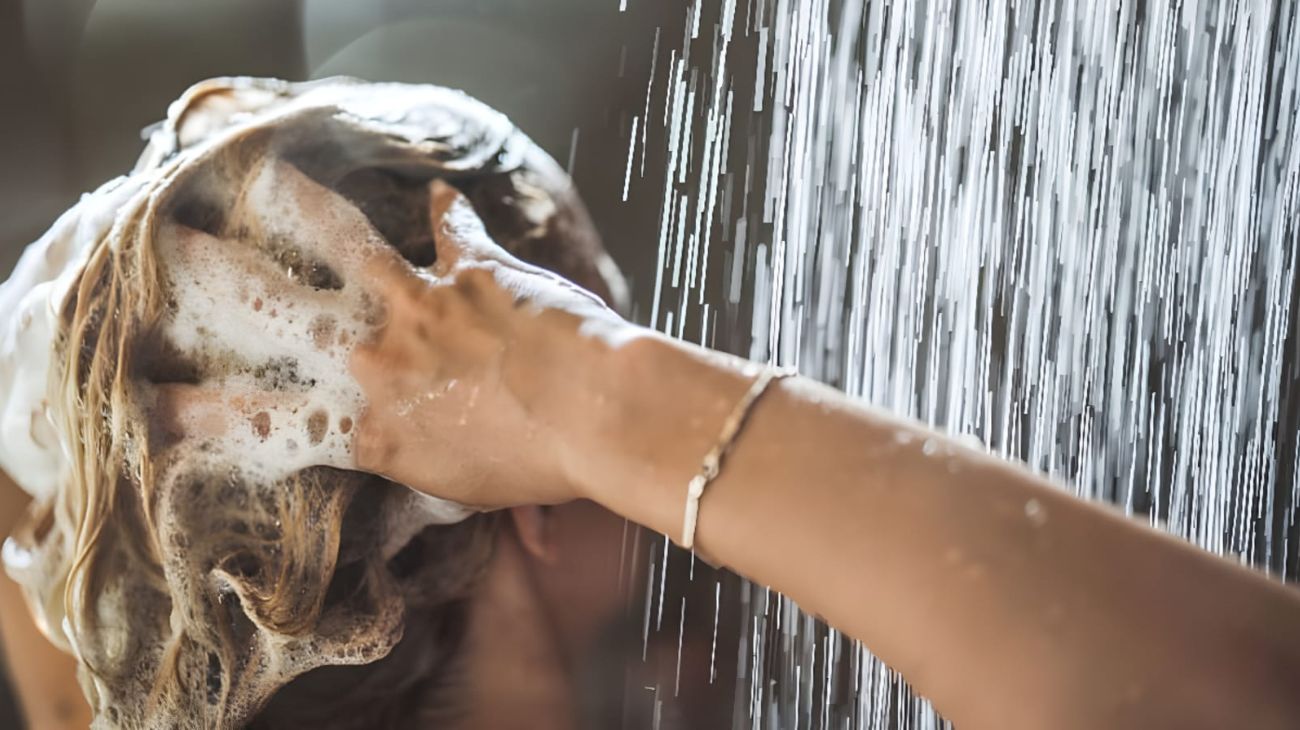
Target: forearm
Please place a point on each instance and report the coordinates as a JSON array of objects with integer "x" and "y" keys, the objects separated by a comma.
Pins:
[{"x": 1005, "y": 600}]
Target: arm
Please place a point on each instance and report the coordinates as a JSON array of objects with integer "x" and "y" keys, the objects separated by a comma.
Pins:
[
  {"x": 1008, "y": 602},
  {"x": 1005, "y": 600},
  {"x": 491, "y": 383}
]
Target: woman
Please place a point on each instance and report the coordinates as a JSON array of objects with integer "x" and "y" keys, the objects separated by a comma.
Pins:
[
  {"x": 488, "y": 382},
  {"x": 1003, "y": 599}
]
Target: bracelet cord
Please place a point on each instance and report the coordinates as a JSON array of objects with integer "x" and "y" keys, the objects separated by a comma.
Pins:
[{"x": 713, "y": 460}]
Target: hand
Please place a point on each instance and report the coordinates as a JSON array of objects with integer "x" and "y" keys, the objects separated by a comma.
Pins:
[
  {"x": 309, "y": 341},
  {"x": 485, "y": 370}
]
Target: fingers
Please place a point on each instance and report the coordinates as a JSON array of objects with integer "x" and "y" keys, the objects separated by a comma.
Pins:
[
  {"x": 462, "y": 240},
  {"x": 319, "y": 236},
  {"x": 268, "y": 352},
  {"x": 227, "y": 295},
  {"x": 459, "y": 234},
  {"x": 234, "y": 419}
]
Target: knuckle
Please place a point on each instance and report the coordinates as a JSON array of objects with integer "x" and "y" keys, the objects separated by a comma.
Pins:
[{"x": 475, "y": 282}]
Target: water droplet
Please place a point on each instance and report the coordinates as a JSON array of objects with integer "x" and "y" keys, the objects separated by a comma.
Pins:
[{"x": 1036, "y": 513}]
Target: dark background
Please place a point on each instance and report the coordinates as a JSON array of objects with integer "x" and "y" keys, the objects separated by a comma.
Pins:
[{"x": 79, "y": 80}]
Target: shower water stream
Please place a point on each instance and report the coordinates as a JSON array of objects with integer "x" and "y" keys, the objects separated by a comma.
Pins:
[{"x": 1068, "y": 229}]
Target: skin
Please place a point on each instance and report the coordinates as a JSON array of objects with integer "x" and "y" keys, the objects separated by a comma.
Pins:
[
  {"x": 1002, "y": 598},
  {"x": 514, "y": 672},
  {"x": 1006, "y": 601},
  {"x": 535, "y": 620},
  {"x": 44, "y": 678}
]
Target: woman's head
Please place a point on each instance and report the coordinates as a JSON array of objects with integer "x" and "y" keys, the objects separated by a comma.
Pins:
[{"x": 195, "y": 582}]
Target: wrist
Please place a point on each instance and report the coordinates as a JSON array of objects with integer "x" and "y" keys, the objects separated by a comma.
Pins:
[
  {"x": 561, "y": 371},
  {"x": 662, "y": 405}
]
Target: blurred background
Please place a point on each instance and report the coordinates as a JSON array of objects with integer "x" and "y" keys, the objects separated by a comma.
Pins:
[{"x": 81, "y": 78}]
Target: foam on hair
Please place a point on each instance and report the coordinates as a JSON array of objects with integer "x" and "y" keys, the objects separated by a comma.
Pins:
[{"x": 196, "y": 578}]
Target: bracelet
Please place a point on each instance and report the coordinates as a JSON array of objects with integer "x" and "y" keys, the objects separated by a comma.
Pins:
[{"x": 713, "y": 460}]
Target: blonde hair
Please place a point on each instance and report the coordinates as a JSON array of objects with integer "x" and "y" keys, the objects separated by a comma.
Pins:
[{"x": 126, "y": 535}]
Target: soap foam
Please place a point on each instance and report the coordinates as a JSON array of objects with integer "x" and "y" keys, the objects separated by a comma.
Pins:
[{"x": 30, "y": 448}]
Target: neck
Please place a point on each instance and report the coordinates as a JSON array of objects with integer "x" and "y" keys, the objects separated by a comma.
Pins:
[{"x": 514, "y": 672}]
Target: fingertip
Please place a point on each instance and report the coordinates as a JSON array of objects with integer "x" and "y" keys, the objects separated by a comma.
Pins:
[
  {"x": 456, "y": 225},
  {"x": 454, "y": 220},
  {"x": 443, "y": 196},
  {"x": 389, "y": 270}
]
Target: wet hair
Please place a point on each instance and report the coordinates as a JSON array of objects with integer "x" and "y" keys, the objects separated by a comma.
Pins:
[{"x": 199, "y": 594}]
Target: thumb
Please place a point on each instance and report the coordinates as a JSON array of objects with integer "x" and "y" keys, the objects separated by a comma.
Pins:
[{"x": 459, "y": 236}]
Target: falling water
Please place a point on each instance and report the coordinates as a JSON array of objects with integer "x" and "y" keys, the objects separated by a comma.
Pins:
[{"x": 1068, "y": 229}]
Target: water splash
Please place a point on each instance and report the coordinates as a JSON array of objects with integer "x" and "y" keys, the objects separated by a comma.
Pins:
[{"x": 1068, "y": 229}]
